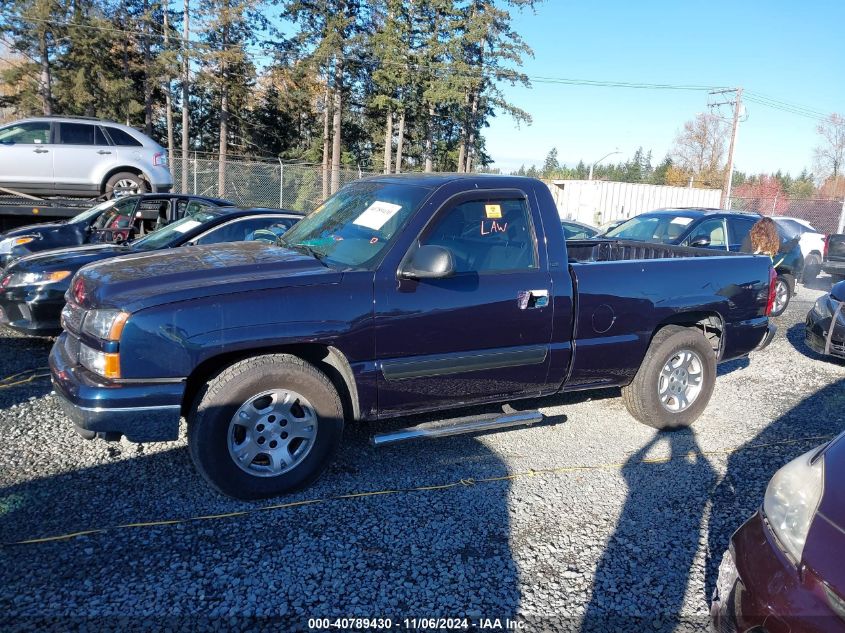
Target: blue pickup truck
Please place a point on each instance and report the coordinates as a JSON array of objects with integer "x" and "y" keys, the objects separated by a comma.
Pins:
[{"x": 399, "y": 295}]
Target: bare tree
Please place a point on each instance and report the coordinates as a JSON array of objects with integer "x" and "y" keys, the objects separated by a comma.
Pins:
[
  {"x": 830, "y": 153},
  {"x": 699, "y": 148}
]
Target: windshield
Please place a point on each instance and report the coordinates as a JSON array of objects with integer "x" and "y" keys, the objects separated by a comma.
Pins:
[
  {"x": 87, "y": 215},
  {"x": 173, "y": 233},
  {"x": 664, "y": 227},
  {"x": 353, "y": 227}
]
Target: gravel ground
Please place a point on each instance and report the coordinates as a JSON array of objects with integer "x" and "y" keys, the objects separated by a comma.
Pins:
[{"x": 572, "y": 531}]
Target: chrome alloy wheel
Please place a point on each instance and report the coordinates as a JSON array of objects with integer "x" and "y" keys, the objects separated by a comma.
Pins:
[
  {"x": 272, "y": 433},
  {"x": 125, "y": 187},
  {"x": 781, "y": 296},
  {"x": 680, "y": 381}
]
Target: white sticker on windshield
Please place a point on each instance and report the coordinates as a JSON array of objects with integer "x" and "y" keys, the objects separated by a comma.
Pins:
[
  {"x": 377, "y": 215},
  {"x": 680, "y": 220},
  {"x": 186, "y": 226}
]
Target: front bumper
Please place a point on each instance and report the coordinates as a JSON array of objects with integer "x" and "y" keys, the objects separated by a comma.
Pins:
[
  {"x": 35, "y": 311},
  {"x": 825, "y": 334},
  {"x": 142, "y": 412},
  {"x": 759, "y": 589}
]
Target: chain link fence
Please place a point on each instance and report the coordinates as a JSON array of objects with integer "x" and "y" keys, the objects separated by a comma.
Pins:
[
  {"x": 258, "y": 183},
  {"x": 824, "y": 214}
]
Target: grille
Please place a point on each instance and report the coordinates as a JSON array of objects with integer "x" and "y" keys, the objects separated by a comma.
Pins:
[
  {"x": 72, "y": 317},
  {"x": 72, "y": 348}
]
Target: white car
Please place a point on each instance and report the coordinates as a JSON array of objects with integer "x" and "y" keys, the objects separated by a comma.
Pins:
[
  {"x": 75, "y": 156},
  {"x": 810, "y": 240}
]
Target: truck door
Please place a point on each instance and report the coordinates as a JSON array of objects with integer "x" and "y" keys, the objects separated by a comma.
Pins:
[{"x": 482, "y": 334}]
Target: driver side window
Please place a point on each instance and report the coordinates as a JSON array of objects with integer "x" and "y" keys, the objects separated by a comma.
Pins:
[
  {"x": 712, "y": 230},
  {"x": 486, "y": 236}
]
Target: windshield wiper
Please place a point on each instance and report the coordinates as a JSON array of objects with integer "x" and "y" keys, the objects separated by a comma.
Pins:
[{"x": 318, "y": 255}]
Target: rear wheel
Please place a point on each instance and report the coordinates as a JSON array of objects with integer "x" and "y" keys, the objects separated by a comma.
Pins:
[
  {"x": 812, "y": 267},
  {"x": 675, "y": 381},
  {"x": 125, "y": 183},
  {"x": 265, "y": 426},
  {"x": 783, "y": 293}
]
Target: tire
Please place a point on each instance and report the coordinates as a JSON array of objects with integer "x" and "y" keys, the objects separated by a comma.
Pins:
[
  {"x": 783, "y": 284},
  {"x": 126, "y": 183},
  {"x": 642, "y": 397},
  {"x": 215, "y": 436},
  {"x": 812, "y": 267}
]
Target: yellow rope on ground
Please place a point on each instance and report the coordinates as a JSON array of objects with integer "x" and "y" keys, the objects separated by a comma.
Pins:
[
  {"x": 360, "y": 495},
  {"x": 9, "y": 381}
]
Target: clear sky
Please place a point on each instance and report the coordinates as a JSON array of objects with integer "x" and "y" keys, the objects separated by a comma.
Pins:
[{"x": 791, "y": 51}]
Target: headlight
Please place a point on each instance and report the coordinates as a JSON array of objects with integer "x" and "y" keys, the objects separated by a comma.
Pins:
[
  {"x": 106, "y": 325},
  {"x": 791, "y": 500},
  {"x": 16, "y": 280},
  {"x": 102, "y": 363},
  {"x": 9, "y": 243},
  {"x": 823, "y": 307}
]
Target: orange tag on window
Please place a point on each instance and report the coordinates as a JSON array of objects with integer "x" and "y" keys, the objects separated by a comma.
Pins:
[{"x": 493, "y": 211}]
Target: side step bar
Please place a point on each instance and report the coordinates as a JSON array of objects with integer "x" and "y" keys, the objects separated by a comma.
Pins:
[{"x": 459, "y": 426}]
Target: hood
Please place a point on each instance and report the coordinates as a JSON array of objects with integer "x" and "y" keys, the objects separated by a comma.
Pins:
[
  {"x": 827, "y": 533},
  {"x": 838, "y": 291},
  {"x": 72, "y": 258},
  {"x": 32, "y": 229},
  {"x": 142, "y": 280}
]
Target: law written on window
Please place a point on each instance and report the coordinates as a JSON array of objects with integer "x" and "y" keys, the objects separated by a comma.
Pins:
[{"x": 487, "y": 236}]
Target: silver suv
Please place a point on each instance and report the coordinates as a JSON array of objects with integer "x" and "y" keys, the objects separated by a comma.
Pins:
[{"x": 74, "y": 156}]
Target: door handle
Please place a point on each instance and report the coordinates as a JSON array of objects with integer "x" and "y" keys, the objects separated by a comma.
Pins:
[
  {"x": 40, "y": 151},
  {"x": 531, "y": 299},
  {"x": 104, "y": 151}
]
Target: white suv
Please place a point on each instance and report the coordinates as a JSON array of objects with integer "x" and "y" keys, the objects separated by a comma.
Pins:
[
  {"x": 810, "y": 240},
  {"x": 74, "y": 156}
]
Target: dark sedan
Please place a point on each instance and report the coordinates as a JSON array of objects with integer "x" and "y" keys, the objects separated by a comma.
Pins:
[
  {"x": 32, "y": 290},
  {"x": 573, "y": 230},
  {"x": 716, "y": 229},
  {"x": 824, "y": 330},
  {"x": 785, "y": 567},
  {"x": 86, "y": 227}
]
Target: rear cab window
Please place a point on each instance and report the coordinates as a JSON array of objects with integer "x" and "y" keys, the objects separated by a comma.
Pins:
[{"x": 486, "y": 236}]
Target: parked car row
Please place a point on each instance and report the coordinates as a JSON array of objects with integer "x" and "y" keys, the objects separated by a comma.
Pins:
[{"x": 36, "y": 275}]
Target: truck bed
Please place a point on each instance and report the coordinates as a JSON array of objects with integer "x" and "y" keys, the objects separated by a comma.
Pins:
[{"x": 604, "y": 250}]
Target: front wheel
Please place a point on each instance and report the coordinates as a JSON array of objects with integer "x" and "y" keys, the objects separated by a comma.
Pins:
[
  {"x": 675, "y": 381},
  {"x": 265, "y": 426}
]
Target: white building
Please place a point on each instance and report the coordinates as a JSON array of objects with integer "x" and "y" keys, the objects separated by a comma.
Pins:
[{"x": 597, "y": 202}]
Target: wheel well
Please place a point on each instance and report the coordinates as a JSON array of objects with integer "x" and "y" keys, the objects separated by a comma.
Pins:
[
  {"x": 709, "y": 323},
  {"x": 117, "y": 170},
  {"x": 327, "y": 359}
]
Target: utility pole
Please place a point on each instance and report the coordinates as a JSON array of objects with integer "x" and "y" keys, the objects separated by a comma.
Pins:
[
  {"x": 186, "y": 76},
  {"x": 725, "y": 201}
]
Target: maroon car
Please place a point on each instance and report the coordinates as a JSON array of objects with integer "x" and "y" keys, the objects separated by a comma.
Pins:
[{"x": 785, "y": 567}]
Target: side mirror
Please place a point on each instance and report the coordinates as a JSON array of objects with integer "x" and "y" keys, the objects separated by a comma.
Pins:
[
  {"x": 700, "y": 242},
  {"x": 429, "y": 262}
]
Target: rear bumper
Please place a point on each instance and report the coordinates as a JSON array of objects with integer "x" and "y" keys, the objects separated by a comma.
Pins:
[
  {"x": 141, "y": 412},
  {"x": 759, "y": 589},
  {"x": 32, "y": 311},
  {"x": 832, "y": 267},
  {"x": 770, "y": 335}
]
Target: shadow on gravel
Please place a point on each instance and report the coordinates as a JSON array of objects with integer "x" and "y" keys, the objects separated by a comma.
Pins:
[
  {"x": 439, "y": 552},
  {"x": 648, "y": 559},
  {"x": 819, "y": 283},
  {"x": 740, "y": 493},
  {"x": 723, "y": 369}
]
